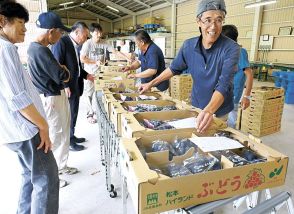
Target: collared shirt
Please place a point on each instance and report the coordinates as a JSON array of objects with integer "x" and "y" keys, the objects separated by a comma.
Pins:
[
  {"x": 153, "y": 59},
  {"x": 214, "y": 73},
  {"x": 17, "y": 92},
  {"x": 76, "y": 46}
]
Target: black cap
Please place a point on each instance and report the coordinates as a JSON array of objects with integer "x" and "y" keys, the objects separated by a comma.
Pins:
[{"x": 50, "y": 20}]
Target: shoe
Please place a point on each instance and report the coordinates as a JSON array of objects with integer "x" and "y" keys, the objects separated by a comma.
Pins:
[
  {"x": 78, "y": 140},
  {"x": 62, "y": 183},
  {"x": 75, "y": 147},
  {"x": 68, "y": 170}
]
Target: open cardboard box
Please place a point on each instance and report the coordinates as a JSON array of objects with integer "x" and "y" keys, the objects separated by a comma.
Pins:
[
  {"x": 119, "y": 90},
  {"x": 152, "y": 192},
  {"x": 108, "y": 82},
  {"x": 115, "y": 98},
  {"x": 131, "y": 126},
  {"x": 117, "y": 108}
]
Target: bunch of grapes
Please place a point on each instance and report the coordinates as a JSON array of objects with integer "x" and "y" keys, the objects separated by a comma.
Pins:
[{"x": 254, "y": 179}]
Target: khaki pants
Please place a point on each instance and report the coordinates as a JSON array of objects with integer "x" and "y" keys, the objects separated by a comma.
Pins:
[{"x": 58, "y": 117}]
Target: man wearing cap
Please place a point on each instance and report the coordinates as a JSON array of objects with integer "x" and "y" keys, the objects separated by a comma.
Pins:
[
  {"x": 49, "y": 77},
  {"x": 67, "y": 51},
  {"x": 212, "y": 60}
]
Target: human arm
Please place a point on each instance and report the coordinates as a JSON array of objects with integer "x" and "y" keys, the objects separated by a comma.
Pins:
[
  {"x": 165, "y": 75},
  {"x": 16, "y": 95},
  {"x": 245, "y": 102},
  {"x": 221, "y": 90},
  {"x": 135, "y": 65}
]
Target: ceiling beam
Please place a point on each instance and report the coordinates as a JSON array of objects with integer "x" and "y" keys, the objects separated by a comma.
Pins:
[
  {"x": 116, "y": 6},
  {"x": 103, "y": 9},
  {"x": 145, "y": 11},
  {"x": 94, "y": 14},
  {"x": 142, "y": 3}
]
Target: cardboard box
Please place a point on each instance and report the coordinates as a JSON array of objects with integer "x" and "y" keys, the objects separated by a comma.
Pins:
[
  {"x": 117, "y": 108},
  {"x": 266, "y": 92},
  {"x": 119, "y": 90},
  {"x": 260, "y": 132},
  {"x": 131, "y": 126},
  {"x": 108, "y": 82},
  {"x": 262, "y": 124},
  {"x": 153, "y": 193}
]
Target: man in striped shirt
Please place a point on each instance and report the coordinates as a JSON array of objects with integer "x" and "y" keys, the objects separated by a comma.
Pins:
[{"x": 23, "y": 127}]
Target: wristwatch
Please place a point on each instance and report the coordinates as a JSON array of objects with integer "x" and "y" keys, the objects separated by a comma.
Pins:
[{"x": 247, "y": 97}]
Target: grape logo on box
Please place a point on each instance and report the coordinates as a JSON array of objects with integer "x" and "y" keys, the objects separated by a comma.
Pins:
[
  {"x": 254, "y": 179},
  {"x": 276, "y": 172}
]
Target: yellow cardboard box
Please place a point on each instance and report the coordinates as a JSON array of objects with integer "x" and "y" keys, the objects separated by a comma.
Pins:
[
  {"x": 153, "y": 193},
  {"x": 131, "y": 126},
  {"x": 117, "y": 108}
]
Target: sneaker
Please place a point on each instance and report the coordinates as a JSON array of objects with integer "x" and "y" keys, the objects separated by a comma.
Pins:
[
  {"x": 68, "y": 171},
  {"x": 62, "y": 183}
]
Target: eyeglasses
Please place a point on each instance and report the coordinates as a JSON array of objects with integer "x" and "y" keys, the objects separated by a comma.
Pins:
[{"x": 209, "y": 22}]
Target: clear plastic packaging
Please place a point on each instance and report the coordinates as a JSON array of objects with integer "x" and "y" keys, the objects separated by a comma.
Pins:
[
  {"x": 223, "y": 134},
  {"x": 125, "y": 98},
  {"x": 160, "y": 145},
  {"x": 251, "y": 156},
  {"x": 202, "y": 163},
  {"x": 233, "y": 157},
  {"x": 177, "y": 170},
  {"x": 156, "y": 125},
  {"x": 181, "y": 146}
]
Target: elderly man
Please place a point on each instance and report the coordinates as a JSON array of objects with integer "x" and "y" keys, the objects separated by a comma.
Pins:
[
  {"x": 49, "y": 76},
  {"x": 23, "y": 127},
  {"x": 150, "y": 60},
  {"x": 212, "y": 60},
  {"x": 66, "y": 51}
]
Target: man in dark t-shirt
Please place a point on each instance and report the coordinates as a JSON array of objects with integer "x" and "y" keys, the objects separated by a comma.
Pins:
[{"x": 151, "y": 61}]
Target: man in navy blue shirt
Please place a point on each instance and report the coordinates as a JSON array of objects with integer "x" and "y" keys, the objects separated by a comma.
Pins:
[
  {"x": 151, "y": 61},
  {"x": 212, "y": 60}
]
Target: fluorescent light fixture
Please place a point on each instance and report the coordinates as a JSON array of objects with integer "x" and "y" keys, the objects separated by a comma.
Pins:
[
  {"x": 112, "y": 8},
  {"x": 66, "y": 3},
  {"x": 260, "y": 3}
]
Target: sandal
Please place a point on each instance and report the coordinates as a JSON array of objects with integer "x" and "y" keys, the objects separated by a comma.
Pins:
[{"x": 91, "y": 119}]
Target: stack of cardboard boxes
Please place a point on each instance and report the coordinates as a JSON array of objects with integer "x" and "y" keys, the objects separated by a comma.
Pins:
[
  {"x": 181, "y": 87},
  {"x": 264, "y": 114}
]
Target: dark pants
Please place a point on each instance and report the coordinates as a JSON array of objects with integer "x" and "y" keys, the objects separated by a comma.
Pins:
[
  {"x": 74, "y": 102},
  {"x": 40, "y": 182}
]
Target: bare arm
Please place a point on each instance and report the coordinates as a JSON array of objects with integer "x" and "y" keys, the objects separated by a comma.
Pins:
[
  {"x": 31, "y": 113},
  {"x": 165, "y": 75},
  {"x": 245, "y": 102},
  {"x": 206, "y": 116},
  {"x": 135, "y": 65},
  {"x": 144, "y": 74}
]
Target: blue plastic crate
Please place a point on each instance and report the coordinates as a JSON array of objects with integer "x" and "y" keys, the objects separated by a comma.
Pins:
[
  {"x": 290, "y": 87},
  {"x": 289, "y": 98},
  {"x": 290, "y": 76}
]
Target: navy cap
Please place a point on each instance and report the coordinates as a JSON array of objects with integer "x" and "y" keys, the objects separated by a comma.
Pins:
[
  {"x": 49, "y": 20},
  {"x": 205, "y": 5}
]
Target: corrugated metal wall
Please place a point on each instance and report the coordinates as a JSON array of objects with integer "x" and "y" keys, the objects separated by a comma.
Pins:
[{"x": 275, "y": 16}]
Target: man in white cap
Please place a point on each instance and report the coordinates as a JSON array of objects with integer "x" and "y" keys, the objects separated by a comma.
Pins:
[{"x": 212, "y": 59}]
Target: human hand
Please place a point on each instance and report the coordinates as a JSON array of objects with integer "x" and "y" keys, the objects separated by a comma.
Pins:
[
  {"x": 144, "y": 87},
  {"x": 132, "y": 76},
  {"x": 203, "y": 121},
  {"x": 45, "y": 140},
  {"x": 126, "y": 68},
  {"x": 67, "y": 92},
  {"x": 90, "y": 77},
  {"x": 245, "y": 103}
]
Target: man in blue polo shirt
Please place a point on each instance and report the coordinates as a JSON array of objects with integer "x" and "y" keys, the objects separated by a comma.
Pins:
[
  {"x": 212, "y": 60},
  {"x": 151, "y": 61}
]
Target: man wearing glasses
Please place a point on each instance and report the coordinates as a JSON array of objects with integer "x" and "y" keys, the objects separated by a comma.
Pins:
[{"x": 212, "y": 60}]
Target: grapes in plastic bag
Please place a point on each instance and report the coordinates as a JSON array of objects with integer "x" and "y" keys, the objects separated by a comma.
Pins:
[
  {"x": 160, "y": 145},
  {"x": 181, "y": 146},
  {"x": 252, "y": 156},
  {"x": 233, "y": 157},
  {"x": 177, "y": 170},
  {"x": 202, "y": 163}
]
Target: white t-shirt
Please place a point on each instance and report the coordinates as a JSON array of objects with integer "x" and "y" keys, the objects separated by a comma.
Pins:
[{"x": 95, "y": 51}]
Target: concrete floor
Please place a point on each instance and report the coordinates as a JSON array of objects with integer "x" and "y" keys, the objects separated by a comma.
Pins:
[{"x": 86, "y": 193}]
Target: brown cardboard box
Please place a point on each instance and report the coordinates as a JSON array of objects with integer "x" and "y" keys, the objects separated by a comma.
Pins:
[
  {"x": 117, "y": 108},
  {"x": 111, "y": 68},
  {"x": 256, "y": 131},
  {"x": 266, "y": 92},
  {"x": 108, "y": 82},
  {"x": 119, "y": 90},
  {"x": 153, "y": 193},
  {"x": 131, "y": 126}
]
